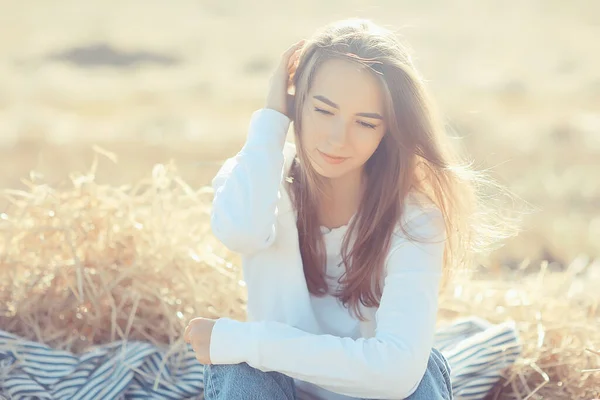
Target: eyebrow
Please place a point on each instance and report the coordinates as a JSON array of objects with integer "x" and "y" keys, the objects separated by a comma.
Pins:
[{"x": 332, "y": 104}]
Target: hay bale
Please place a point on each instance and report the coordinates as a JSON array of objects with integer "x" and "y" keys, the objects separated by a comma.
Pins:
[
  {"x": 85, "y": 263},
  {"x": 558, "y": 318}
]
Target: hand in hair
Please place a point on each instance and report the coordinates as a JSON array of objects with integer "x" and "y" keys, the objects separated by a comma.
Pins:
[{"x": 278, "y": 97}]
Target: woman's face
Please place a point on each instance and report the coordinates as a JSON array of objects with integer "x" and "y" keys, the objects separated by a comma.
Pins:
[{"x": 342, "y": 118}]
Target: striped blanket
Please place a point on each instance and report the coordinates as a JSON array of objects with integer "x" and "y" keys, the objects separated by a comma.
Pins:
[{"x": 477, "y": 352}]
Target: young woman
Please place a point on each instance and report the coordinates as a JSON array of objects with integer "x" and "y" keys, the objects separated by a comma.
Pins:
[{"x": 347, "y": 236}]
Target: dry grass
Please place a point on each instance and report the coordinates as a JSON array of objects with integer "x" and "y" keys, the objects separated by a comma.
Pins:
[
  {"x": 94, "y": 263},
  {"x": 86, "y": 264},
  {"x": 557, "y": 315},
  {"x": 517, "y": 81}
]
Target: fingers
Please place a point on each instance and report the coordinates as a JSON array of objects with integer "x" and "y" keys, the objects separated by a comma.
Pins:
[
  {"x": 288, "y": 55},
  {"x": 293, "y": 48},
  {"x": 186, "y": 334},
  {"x": 293, "y": 61}
]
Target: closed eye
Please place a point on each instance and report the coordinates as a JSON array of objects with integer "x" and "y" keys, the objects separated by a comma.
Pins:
[
  {"x": 361, "y": 123},
  {"x": 320, "y": 110},
  {"x": 366, "y": 125}
]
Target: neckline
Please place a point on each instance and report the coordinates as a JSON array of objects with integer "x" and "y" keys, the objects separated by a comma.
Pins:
[{"x": 325, "y": 230}]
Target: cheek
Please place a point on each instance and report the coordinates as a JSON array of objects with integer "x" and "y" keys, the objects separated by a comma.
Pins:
[
  {"x": 313, "y": 130},
  {"x": 365, "y": 143}
]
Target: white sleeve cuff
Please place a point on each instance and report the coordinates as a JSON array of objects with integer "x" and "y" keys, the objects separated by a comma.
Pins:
[
  {"x": 268, "y": 126},
  {"x": 234, "y": 342}
]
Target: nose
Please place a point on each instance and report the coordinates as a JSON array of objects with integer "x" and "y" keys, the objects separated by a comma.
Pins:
[{"x": 337, "y": 135}]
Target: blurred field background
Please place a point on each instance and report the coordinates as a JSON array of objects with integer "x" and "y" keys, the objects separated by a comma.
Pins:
[
  {"x": 157, "y": 80},
  {"x": 153, "y": 81}
]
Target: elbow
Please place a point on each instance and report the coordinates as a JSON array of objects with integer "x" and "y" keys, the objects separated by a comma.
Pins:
[
  {"x": 403, "y": 388},
  {"x": 237, "y": 237},
  {"x": 231, "y": 235},
  {"x": 401, "y": 378}
]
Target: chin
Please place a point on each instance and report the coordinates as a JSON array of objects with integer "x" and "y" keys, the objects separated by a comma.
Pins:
[{"x": 331, "y": 171}]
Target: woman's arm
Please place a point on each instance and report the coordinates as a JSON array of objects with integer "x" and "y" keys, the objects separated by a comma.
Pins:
[
  {"x": 387, "y": 366},
  {"x": 244, "y": 208},
  {"x": 247, "y": 186}
]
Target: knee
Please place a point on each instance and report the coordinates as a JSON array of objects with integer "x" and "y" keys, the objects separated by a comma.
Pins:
[
  {"x": 438, "y": 365},
  {"x": 241, "y": 381},
  {"x": 222, "y": 381},
  {"x": 227, "y": 372},
  {"x": 440, "y": 361},
  {"x": 436, "y": 383}
]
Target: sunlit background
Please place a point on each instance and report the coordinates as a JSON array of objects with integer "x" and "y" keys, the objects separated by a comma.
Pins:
[
  {"x": 89, "y": 263},
  {"x": 159, "y": 80}
]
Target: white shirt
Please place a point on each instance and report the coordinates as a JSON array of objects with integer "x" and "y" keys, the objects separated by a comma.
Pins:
[
  {"x": 331, "y": 315},
  {"x": 313, "y": 340}
]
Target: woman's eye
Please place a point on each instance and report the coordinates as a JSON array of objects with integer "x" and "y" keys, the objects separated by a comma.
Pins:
[
  {"x": 320, "y": 110},
  {"x": 366, "y": 125},
  {"x": 361, "y": 123}
]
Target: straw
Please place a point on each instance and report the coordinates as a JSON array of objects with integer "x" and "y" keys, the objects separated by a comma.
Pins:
[
  {"x": 85, "y": 263},
  {"x": 558, "y": 318}
]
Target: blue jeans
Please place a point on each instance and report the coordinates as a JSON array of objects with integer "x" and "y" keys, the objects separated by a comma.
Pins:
[{"x": 242, "y": 382}]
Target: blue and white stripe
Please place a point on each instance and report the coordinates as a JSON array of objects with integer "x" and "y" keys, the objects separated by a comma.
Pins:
[
  {"x": 119, "y": 370},
  {"x": 477, "y": 351}
]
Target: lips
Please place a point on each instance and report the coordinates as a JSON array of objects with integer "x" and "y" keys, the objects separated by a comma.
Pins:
[{"x": 331, "y": 159}]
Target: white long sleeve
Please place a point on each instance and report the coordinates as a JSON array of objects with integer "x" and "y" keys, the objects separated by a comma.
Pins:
[
  {"x": 389, "y": 365},
  {"x": 244, "y": 208}
]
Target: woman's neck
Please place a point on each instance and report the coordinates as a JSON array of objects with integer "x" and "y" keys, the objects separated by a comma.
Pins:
[{"x": 341, "y": 199}]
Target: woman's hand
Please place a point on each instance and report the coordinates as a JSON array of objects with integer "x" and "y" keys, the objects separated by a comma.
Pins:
[
  {"x": 197, "y": 333},
  {"x": 278, "y": 97}
]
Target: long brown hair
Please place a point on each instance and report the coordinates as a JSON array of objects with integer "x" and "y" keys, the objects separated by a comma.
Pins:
[{"x": 415, "y": 154}]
